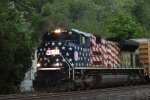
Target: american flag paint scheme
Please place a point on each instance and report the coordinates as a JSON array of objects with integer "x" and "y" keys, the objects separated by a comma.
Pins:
[
  {"x": 108, "y": 54},
  {"x": 102, "y": 54},
  {"x": 72, "y": 59},
  {"x": 108, "y": 57}
]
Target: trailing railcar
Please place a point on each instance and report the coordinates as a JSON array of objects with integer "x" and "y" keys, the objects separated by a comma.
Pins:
[
  {"x": 144, "y": 55},
  {"x": 71, "y": 59}
]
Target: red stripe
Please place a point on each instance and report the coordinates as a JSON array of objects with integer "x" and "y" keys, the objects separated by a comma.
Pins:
[
  {"x": 93, "y": 39},
  {"x": 113, "y": 60},
  {"x": 114, "y": 51},
  {"x": 113, "y": 54},
  {"x": 113, "y": 46}
]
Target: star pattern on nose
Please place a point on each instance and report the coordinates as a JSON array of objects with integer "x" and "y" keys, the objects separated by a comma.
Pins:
[
  {"x": 70, "y": 48},
  {"x": 63, "y": 48},
  {"x": 53, "y": 43},
  {"x": 67, "y": 52},
  {"x": 59, "y": 43}
]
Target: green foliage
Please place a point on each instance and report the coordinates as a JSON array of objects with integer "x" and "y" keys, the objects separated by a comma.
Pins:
[
  {"x": 87, "y": 15},
  {"x": 23, "y": 22},
  {"x": 68, "y": 14},
  {"x": 142, "y": 12},
  {"x": 124, "y": 26},
  {"x": 15, "y": 51}
]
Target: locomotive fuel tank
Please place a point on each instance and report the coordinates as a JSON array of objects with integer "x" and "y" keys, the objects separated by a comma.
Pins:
[{"x": 113, "y": 80}]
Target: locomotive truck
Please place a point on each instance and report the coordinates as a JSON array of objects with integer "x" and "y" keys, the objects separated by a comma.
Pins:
[{"x": 69, "y": 59}]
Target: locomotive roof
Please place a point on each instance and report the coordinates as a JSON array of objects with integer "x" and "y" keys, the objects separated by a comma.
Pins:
[
  {"x": 80, "y": 32},
  {"x": 126, "y": 45},
  {"x": 141, "y": 40}
]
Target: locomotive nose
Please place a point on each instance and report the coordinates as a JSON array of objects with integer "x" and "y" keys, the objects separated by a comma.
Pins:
[{"x": 56, "y": 54}]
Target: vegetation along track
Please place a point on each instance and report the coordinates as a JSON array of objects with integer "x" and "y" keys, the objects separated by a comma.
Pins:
[{"x": 64, "y": 95}]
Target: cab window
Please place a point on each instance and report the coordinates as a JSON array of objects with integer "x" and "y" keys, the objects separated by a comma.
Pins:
[{"x": 84, "y": 40}]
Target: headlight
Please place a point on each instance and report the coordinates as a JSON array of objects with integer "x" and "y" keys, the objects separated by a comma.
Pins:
[
  {"x": 146, "y": 74},
  {"x": 57, "y": 31},
  {"x": 38, "y": 64},
  {"x": 56, "y": 64}
]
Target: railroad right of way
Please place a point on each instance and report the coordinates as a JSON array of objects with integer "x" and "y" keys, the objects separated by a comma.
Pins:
[{"x": 119, "y": 93}]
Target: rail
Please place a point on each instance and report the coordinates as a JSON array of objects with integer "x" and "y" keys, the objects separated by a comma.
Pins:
[
  {"x": 144, "y": 98},
  {"x": 65, "y": 95}
]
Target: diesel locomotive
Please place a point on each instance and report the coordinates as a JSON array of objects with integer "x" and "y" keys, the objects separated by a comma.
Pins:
[{"x": 69, "y": 59}]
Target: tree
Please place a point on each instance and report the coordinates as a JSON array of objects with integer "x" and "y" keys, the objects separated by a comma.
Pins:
[
  {"x": 124, "y": 26},
  {"x": 142, "y": 13},
  {"x": 66, "y": 14},
  {"x": 16, "y": 46}
]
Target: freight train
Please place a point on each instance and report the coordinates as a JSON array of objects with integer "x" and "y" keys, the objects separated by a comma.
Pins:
[{"x": 69, "y": 59}]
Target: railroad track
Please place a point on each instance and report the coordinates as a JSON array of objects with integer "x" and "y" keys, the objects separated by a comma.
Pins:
[
  {"x": 72, "y": 94},
  {"x": 144, "y": 98}
]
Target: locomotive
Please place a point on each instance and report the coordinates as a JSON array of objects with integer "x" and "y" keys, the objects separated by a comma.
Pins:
[{"x": 70, "y": 59}]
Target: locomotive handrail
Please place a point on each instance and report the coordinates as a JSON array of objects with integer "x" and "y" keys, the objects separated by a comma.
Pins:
[{"x": 67, "y": 61}]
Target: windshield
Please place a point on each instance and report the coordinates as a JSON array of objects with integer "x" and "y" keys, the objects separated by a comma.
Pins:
[{"x": 61, "y": 36}]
